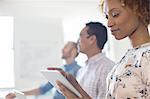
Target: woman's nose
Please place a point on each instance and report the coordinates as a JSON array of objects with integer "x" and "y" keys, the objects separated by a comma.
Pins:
[{"x": 110, "y": 23}]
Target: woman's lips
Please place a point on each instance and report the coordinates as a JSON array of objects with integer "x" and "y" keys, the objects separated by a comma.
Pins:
[{"x": 113, "y": 31}]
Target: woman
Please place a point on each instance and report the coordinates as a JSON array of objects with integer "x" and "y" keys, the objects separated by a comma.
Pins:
[{"x": 130, "y": 78}]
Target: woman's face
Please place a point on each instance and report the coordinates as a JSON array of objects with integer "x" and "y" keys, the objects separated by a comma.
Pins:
[{"x": 121, "y": 20}]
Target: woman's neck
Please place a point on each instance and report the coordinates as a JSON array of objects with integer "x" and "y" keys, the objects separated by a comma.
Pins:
[{"x": 141, "y": 36}]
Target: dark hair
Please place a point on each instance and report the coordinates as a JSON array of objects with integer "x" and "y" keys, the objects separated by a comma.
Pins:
[
  {"x": 100, "y": 31},
  {"x": 140, "y": 7}
]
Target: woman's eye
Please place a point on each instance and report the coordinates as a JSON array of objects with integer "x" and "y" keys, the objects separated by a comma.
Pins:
[{"x": 115, "y": 14}]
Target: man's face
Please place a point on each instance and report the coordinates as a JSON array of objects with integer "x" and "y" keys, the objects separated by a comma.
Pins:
[{"x": 84, "y": 40}]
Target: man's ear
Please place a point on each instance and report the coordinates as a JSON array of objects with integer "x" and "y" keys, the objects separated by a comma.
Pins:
[
  {"x": 92, "y": 39},
  {"x": 73, "y": 51}
]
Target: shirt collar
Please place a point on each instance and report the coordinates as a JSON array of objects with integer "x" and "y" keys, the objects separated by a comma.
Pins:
[
  {"x": 72, "y": 64},
  {"x": 95, "y": 58},
  {"x": 141, "y": 46}
]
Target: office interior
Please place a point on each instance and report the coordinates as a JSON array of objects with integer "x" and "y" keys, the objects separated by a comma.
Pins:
[{"x": 33, "y": 33}]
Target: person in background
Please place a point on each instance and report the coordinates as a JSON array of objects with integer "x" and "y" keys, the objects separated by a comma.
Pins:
[
  {"x": 69, "y": 53},
  {"x": 130, "y": 78},
  {"x": 91, "y": 42}
]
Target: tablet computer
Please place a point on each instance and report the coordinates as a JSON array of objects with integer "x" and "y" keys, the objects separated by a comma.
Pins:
[
  {"x": 53, "y": 75},
  {"x": 19, "y": 94}
]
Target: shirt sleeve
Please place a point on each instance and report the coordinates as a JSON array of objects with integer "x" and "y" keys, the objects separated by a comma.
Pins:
[
  {"x": 102, "y": 81},
  {"x": 72, "y": 69},
  {"x": 45, "y": 88},
  {"x": 145, "y": 64}
]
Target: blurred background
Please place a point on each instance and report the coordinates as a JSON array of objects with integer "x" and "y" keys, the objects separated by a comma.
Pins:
[{"x": 33, "y": 32}]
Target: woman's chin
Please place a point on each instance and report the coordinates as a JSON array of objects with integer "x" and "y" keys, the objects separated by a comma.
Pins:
[{"x": 118, "y": 38}]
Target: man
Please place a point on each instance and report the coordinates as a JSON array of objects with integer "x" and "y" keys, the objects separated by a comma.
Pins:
[
  {"x": 69, "y": 53},
  {"x": 92, "y": 77}
]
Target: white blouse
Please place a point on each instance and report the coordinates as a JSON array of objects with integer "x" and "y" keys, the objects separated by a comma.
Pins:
[{"x": 130, "y": 78}]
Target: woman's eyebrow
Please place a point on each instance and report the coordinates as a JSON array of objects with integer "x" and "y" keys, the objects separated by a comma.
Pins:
[
  {"x": 107, "y": 12},
  {"x": 112, "y": 10}
]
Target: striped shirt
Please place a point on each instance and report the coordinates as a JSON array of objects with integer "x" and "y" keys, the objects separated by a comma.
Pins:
[{"x": 92, "y": 77}]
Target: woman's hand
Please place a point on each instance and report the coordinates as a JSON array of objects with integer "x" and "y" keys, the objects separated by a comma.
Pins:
[
  {"x": 10, "y": 96},
  {"x": 69, "y": 94}
]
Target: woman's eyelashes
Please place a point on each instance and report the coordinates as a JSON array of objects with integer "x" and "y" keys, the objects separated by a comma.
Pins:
[
  {"x": 106, "y": 16},
  {"x": 115, "y": 14}
]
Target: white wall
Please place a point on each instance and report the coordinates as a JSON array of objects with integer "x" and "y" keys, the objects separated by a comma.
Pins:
[
  {"x": 38, "y": 39},
  {"x": 38, "y": 42}
]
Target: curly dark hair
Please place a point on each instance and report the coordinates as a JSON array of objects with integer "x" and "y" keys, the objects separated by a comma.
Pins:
[{"x": 139, "y": 7}]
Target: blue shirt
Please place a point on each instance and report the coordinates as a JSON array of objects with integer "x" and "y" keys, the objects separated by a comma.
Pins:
[{"x": 70, "y": 68}]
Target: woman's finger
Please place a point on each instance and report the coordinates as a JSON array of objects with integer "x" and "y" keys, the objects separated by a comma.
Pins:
[
  {"x": 68, "y": 94},
  {"x": 76, "y": 85}
]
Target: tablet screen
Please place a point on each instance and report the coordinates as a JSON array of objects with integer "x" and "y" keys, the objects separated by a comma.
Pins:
[{"x": 53, "y": 75}]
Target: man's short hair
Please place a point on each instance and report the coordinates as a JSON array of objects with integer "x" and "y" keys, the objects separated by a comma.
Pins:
[{"x": 100, "y": 31}]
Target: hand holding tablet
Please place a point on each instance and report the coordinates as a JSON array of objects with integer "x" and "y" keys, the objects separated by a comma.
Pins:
[{"x": 53, "y": 75}]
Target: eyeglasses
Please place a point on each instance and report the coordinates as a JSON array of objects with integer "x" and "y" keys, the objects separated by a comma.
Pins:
[
  {"x": 87, "y": 36},
  {"x": 79, "y": 39}
]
